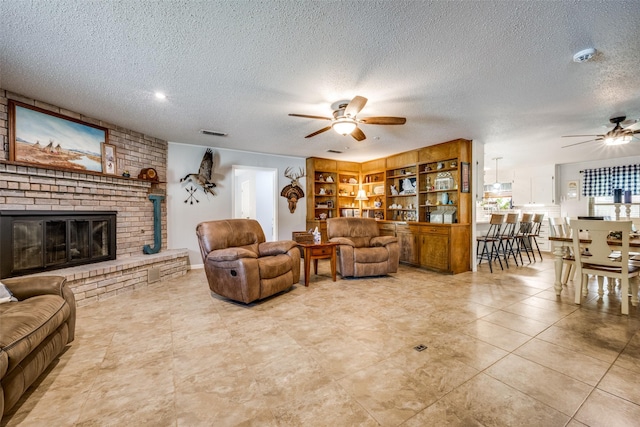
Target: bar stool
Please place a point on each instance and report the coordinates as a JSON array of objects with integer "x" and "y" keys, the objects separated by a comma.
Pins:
[
  {"x": 535, "y": 232},
  {"x": 508, "y": 239},
  {"x": 491, "y": 241},
  {"x": 522, "y": 236}
]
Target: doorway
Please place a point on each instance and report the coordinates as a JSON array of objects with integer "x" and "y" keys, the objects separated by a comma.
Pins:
[{"x": 255, "y": 196}]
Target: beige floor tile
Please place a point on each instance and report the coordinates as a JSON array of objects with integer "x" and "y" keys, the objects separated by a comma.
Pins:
[
  {"x": 569, "y": 362},
  {"x": 496, "y": 335},
  {"x": 595, "y": 347},
  {"x": 535, "y": 313},
  {"x": 602, "y": 409},
  {"x": 517, "y": 323},
  {"x": 550, "y": 387},
  {"x": 397, "y": 388},
  {"x": 630, "y": 356},
  {"x": 616, "y": 382},
  {"x": 484, "y": 401}
]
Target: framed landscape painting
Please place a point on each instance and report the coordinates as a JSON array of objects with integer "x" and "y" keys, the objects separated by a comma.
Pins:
[{"x": 47, "y": 139}]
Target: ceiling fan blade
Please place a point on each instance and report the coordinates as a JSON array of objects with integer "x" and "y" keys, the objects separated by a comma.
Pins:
[
  {"x": 581, "y": 136},
  {"x": 634, "y": 127},
  {"x": 310, "y": 117},
  {"x": 354, "y": 107},
  {"x": 384, "y": 120},
  {"x": 583, "y": 142},
  {"x": 318, "y": 132},
  {"x": 358, "y": 135}
]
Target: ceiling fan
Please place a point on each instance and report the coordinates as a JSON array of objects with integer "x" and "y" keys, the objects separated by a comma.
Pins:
[
  {"x": 616, "y": 136},
  {"x": 345, "y": 122}
]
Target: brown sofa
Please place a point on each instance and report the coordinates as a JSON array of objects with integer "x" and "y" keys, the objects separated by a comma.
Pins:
[
  {"x": 241, "y": 265},
  {"x": 33, "y": 332},
  {"x": 362, "y": 251}
]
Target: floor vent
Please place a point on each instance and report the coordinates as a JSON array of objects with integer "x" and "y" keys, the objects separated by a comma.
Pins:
[
  {"x": 420, "y": 347},
  {"x": 153, "y": 274}
]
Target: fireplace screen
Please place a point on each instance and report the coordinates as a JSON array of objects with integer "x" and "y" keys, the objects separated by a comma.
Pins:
[{"x": 40, "y": 241}]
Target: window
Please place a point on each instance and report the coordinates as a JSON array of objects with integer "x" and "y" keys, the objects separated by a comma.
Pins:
[{"x": 604, "y": 206}]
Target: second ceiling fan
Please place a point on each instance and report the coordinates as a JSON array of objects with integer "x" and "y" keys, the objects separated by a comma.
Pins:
[
  {"x": 345, "y": 122},
  {"x": 616, "y": 136}
]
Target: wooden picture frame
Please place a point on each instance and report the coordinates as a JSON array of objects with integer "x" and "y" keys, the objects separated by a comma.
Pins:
[
  {"x": 465, "y": 177},
  {"x": 109, "y": 159},
  {"x": 573, "y": 190},
  {"x": 53, "y": 141}
]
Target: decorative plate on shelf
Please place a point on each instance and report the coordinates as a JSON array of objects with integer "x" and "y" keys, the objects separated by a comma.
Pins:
[
  {"x": 379, "y": 190},
  {"x": 353, "y": 181}
]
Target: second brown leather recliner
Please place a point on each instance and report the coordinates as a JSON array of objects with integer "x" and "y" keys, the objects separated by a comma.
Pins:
[{"x": 362, "y": 251}]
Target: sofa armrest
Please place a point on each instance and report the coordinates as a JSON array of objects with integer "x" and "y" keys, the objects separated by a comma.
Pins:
[
  {"x": 383, "y": 240},
  {"x": 27, "y": 287},
  {"x": 230, "y": 254},
  {"x": 276, "y": 248},
  {"x": 342, "y": 241}
]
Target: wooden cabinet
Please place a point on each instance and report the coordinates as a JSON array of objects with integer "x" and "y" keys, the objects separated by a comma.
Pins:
[
  {"x": 434, "y": 247},
  {"x": 445, "y": 248},
  {"x": 534, "y": 186},
  {"x": 408, "y": 241}
]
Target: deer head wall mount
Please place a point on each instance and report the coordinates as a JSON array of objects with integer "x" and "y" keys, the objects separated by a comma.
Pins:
[{"x": 293, "y": 192}]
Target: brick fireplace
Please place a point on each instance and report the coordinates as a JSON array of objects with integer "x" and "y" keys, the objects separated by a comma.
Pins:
[{"x": 31, "y": 188}]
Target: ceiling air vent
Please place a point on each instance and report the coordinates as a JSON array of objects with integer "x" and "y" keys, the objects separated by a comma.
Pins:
[
  {"x": 334, "y": 151},
  {"x": 212, "y": 132}
]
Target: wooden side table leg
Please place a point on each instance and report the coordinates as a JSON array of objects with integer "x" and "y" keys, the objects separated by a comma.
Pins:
[
  {"x": 307, "y": 266},
  {"x": 315, "y": 266},
  {"x": 333, "y": 263}
]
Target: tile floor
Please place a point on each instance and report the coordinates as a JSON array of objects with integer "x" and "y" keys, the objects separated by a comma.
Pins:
[{"x": 502, "y": 350}]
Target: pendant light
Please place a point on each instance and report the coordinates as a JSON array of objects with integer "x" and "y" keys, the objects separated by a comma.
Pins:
[{"x": 497, "y": 185}]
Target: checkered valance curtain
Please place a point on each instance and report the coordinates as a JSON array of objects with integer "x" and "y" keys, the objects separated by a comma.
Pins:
[
  {"x": 602, "y": 181},
  {"x": 626, "y": 178}
]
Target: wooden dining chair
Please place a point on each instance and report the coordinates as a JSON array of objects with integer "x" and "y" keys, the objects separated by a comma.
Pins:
[
  {"x": 595, "y": 257},
  {"x": 558, "y": 228}
]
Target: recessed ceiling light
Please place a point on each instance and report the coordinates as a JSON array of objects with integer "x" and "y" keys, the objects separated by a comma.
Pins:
[
  {"x": 161, "y": 95},
  {"x": 584, "y": 55}
]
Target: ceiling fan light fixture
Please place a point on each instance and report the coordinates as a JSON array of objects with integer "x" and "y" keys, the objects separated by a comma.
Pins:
[
  {"x": 344, "y": 125},
  {"x": 618, "y": 140}
]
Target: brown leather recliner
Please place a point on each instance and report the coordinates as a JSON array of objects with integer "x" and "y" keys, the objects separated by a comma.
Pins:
[
  {"x": 362, "y": 251},
  {"x": 241, "y": 265}
]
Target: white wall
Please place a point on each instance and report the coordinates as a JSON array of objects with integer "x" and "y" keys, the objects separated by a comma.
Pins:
[
  {"x": 182, "y": 218},
  {"x": 571, "y": 172}
]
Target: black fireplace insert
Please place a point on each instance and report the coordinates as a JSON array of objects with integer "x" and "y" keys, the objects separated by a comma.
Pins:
[{"x": 35, "y": 241}]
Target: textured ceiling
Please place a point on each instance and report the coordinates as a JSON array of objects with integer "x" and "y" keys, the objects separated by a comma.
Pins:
[{"x": 498, "y": 72}]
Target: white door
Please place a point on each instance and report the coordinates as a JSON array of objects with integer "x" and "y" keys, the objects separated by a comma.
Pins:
[{"x": 255, "y": 196}]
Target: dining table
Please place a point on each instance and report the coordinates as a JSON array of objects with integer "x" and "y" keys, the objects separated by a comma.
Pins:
[{"x": 559, "y": 251}]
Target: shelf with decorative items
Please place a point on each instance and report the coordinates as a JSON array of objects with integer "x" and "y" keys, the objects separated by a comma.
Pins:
[
  {"x": 402, "y": 200},
  {"x": 438, "y": 189},
  {"x": 372, "y": 195},
  {"x": 348, "y": 186},
  {"x": 324, "y": 192}
]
